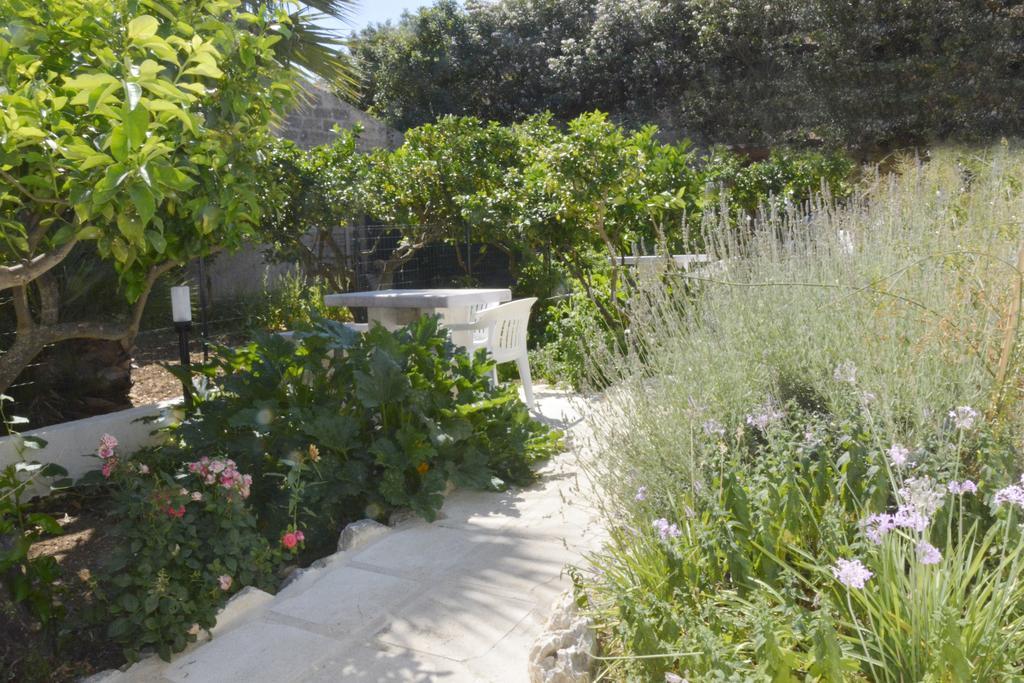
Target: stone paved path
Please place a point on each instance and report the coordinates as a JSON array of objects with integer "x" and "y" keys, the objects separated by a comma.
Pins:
[{"x": 461, "y": 599}]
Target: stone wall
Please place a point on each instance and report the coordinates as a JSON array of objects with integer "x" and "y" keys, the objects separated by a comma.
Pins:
[{"x": 311, "y": 123}]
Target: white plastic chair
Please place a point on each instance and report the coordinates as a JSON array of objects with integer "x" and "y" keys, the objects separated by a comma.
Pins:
[{"x": 502, "y": 331}]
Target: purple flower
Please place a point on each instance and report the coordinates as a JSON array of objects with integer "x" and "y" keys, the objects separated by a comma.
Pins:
[
  {"x": 1013, "y": 494},
  {"x": 851, "y": 573},
  {"x": 898, "y": 454},
  {"x": 877, "y": 526},
  {"x": 713, "y": 428},
  {"x": 765, "y": 415},
  {"x": 908, "y": 517},
  {"x": 927, "y": 553},
  {"x": 960, "y": 488},
  {"x": 666, "y": 530},
  {"x": 845, "y": 372},
  {"x": 922, "y": 494},
  {"x": 963, "y": 417},
  {"x": 641, "y": 493}
]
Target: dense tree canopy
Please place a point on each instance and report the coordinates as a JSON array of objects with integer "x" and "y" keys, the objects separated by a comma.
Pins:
[
  {"x": 131, "y": 128},
  {"x": 874, "y": 71}
]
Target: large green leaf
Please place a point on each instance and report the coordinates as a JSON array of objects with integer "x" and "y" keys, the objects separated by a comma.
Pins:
[{"x": 383, "y": 383}]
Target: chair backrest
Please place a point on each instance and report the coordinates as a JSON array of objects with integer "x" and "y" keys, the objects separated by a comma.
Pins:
[{"x": 506, "y": 325}]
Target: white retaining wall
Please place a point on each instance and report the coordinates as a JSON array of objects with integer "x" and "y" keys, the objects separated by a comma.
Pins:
[{"x": 68, "y": 443}]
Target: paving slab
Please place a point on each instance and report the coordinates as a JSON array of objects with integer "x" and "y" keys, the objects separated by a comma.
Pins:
[
  {"x": 457, "y": 621},
  {"x": 459, "y": 600},
  {"x": 257, "y": 651},
  {"x": 346, "y": 598}
]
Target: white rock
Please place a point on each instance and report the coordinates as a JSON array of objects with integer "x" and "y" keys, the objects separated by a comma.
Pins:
[
  {"x": 242, "y": 604},
  {"x": 359, "y": 534},
  {"x": 564, "y": 652}
]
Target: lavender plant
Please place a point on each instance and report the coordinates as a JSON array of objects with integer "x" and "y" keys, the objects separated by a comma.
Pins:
[{"x": 809, "y": 449}]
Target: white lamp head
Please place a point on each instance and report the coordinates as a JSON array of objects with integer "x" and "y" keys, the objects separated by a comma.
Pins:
[{"x": 181, "y": 304}]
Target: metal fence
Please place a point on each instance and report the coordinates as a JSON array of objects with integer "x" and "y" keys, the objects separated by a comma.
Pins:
[{"x": 370, "y": 256}]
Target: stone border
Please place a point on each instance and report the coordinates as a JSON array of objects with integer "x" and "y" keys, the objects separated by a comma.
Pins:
[
  {"x": 564, "y": 652},
  {"x": 68, "y": 442}
]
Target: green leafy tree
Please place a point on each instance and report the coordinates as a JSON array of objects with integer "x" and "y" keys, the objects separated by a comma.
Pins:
[
  {"x": 307, "y": 194},
  {"x": 126, "y": 130},
  {"x": 421, "y": 185},
  {"x": 866, "y": 73}
]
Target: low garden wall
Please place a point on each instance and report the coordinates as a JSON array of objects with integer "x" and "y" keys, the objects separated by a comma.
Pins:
[{"x": 68, "y": 443}]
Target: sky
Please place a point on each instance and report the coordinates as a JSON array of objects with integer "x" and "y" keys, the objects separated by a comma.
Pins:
[{"x": 378, "y": 11}]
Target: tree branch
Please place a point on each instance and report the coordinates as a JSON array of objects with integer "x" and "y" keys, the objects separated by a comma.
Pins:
[
  {"x": 28, "y": 193},
  {"x": 23, "y": 273},
  {"x": 22, "y": 313}
]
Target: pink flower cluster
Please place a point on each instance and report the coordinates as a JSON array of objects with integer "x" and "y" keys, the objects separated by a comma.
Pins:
[
  {"x": 222, "y": 472},
  {"x": 106, "y": 453},
  {"x": 292, "y": 539}
]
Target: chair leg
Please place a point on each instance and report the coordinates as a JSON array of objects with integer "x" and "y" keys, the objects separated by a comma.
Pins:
[
  {"x": 524, "y": 374},
  {"x": 494, "y": 375}
]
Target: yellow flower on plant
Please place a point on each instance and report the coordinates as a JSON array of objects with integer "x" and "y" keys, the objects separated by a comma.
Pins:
[{"x": 422, "y": 468}]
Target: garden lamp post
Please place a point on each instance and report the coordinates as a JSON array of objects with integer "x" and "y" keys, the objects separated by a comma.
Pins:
[{"x": 181, "y": 311}]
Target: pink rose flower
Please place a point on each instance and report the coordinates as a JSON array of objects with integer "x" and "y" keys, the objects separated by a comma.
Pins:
[
  {"x": 143, "y": 469},
  {"x": 289, "y": 540},
  {"x": 108, "y": 441},
  {"x": 108, "y": 467},
  {"x": 300, "y": 537},
  {"x": 225, "y": 582},
  {"x": 105, "y": 452}
]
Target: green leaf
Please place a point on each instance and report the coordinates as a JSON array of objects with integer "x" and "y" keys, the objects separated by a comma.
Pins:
[
  {"x": 136, "y": 122},
  {"x": 46, "y": 523},
  {"x": 384, "y": 382},
  {"x": 207, "y": 69},
  {"x": 132, "y": 228},
  {"x": 132, "y": 91},
  {"x": 145, "y": 204},
  {"x": 142, "y": 28},
  {"x": 119, "y": 143},
  {"x": 33, "y": 442},
  {"x": 157, "y": 241}
]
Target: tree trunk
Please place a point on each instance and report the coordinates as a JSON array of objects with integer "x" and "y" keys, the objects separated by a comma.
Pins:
[{"x": 74, "y": 379}]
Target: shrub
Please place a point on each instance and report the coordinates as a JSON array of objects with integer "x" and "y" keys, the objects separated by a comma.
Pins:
[
  {"x": 187, "y": 541},
  {"x": 356, "y": 425},
  {"x": 781, "y": 517},
  {"x": 29, "y": 581},
  {"x": 851, "y": 330},
  {"x": 293, "y": 300}
]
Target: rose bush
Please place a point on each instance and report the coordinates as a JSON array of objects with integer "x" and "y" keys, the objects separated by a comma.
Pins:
[{"x": 188, "y": 540}]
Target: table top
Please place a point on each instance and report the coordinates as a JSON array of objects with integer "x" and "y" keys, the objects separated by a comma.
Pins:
[
  {"x": 419, "y": 298},
  {"x": 680, "y": 259}
]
